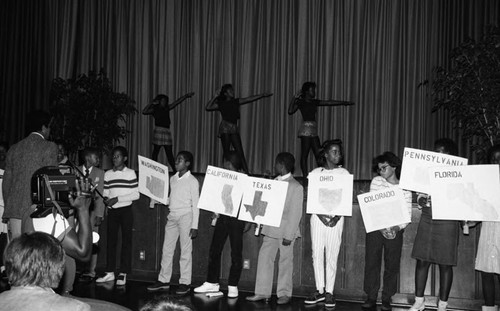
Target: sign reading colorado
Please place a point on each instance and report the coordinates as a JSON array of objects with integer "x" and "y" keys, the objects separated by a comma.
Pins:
[
  {"x": 222, "y": 191},
  {"x": 329, "y": 194},
  {"x": 383, "y": 208},
  {"x": 416, "y": 163},
  {"x": 153, "y": 179},
  {"x": 263, "y": 201},
  {"x": 465, "y": 192}
]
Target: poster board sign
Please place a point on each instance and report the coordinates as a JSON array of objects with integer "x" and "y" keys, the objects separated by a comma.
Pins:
[
  {"x": 416, "y": 162},
  {"x": 153, "y": 179},
  {"x": 263, "y": 201},
  {"x": 329, "y": 194},
  {"x": 383, "y": 208},
  {"x": 465, "y": 192},
  {"x": 222, "y": 191}
]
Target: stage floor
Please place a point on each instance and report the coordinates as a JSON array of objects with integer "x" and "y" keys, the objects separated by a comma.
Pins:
[{"x": 134, "y": 295}]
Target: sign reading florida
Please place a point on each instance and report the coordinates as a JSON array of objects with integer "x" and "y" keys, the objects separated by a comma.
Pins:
[
  {"x": 465, "y": 192},
  {"x": 329, "y": 194},
  {"x": 222, "y": 191},
  {"x": 383, "y": 208},
  {"x": 153, "y": 179},
  {"x": 416, "y": 163},
  {"x": 263, "y": 201}
]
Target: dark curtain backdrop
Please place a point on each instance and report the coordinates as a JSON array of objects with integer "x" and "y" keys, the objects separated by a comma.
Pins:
[{"x": 372, "y": 52}]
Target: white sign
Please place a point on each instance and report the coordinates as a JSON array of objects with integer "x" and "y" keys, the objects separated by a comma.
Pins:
[
  {"x": 383, "y": 208},
  {"x": 222, "y": 191},
  {"x": 416, "y": 162},
  {"x": 329, "y": 194},
  {"x": 465, "y": 192},
  {"x": 263, "y": 201},
  {"x": 153, "y": 179}
]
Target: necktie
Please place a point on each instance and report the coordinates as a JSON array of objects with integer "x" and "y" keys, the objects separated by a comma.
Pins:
[{"x": 87, "y": 172}]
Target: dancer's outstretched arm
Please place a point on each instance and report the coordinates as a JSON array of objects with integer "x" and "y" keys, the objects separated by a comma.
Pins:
[
  {"x": 180, "y": 100},
  {"x": 333, "y": 102},
  {"x": 253, "y": 98}
]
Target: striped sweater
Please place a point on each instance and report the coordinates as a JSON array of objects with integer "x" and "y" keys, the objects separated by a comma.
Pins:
[{"x": 122, "y": 185}]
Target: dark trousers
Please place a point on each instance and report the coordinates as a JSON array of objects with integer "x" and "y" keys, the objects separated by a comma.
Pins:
[
  {"x": 376, "y": 244},
  {"x": 120, "y": 218},
  {"x": 232, "y": 228}
]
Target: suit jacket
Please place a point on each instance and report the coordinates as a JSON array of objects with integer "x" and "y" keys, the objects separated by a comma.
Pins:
[
  {"x": 23, "y": 159},
  {"x": 36, "y": 298},
  {"x": 98, "y": 201},
  {"x": 292, "y": 213}
]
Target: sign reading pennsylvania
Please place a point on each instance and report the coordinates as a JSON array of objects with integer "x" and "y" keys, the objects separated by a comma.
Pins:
[{"x": 416, "y": 164}]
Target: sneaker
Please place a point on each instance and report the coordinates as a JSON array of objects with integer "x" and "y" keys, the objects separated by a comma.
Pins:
[
  {"x": 315, "y": 298},
  {"x": 442, "y": 305},
  {"x": 207, "y": 288},
  {"x": 232, "y": 291},
  {"x": 158, "y": 286},
  {"x": 329, "y": 301},
  {"x": 108, "y": 277},
  {"x": 122, "y": 279},
  {"x": 183, "y": 289},
  {"x": 419, "y": 304}
]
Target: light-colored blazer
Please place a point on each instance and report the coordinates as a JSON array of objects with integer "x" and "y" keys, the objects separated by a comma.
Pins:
[{"x": 292, "y": 213}]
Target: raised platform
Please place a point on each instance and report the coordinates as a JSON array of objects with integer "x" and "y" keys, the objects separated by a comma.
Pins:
[{"x": 148, "y": 239}]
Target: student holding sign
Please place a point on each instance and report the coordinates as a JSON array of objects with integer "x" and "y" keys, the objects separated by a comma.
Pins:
[
  {"x": 488, "y": 250},
  {"x": 226, "y": 227},
  {"x": 436, "y": 242},
  {"x": 229, "y": 108},
  {"x": 280, "y": 238},
  {"x": 326, "y": 230},
  {"x": 389, "y": 240},
  {"x": 182, "y": 225}
]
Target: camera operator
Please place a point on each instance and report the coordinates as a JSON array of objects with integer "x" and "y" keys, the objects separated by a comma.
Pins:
[{"x": 76, "y": 243}]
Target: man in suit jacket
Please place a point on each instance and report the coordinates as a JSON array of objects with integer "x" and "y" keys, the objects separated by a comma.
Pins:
[
  {"x": 23, "y": 159},
  {"x": 282, "y": 238}
]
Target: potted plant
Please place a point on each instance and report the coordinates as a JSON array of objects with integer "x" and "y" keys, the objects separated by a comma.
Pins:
[
  {"x": 87, "y": 112},
  {"x": 470, "y": 90}
]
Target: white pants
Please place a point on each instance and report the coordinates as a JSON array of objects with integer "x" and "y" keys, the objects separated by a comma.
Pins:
[
  {"x": 325, "y": 239},
  {"x": 177, "y": 228}
]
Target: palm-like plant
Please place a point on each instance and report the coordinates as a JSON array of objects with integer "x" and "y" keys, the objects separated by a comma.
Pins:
[
  {"x": 470, "y": 90},
  {"x": 87, "y": 112}
]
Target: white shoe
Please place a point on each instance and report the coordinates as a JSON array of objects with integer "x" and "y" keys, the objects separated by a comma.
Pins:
[
  {"x": 122, "y": 279},
  {"x": 487, "y": 308},
  {"x": 419, "y": 304},
  {"x": 207, "y": 288},
  {"x": 232, "y": 291},
  {"x": 108, "y": 277}
]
